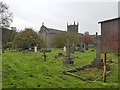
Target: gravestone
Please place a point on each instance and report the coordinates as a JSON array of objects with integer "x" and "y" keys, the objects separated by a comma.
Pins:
[
  {"x": 78, "y": 48},
  {"x": 86, "y": 47},
  {"x": 68, "y": 59},
  {"x": 97, "y": 62},
  {"x": 48, "y": 50},
  {"x": 35, "y": 49},
  {"x": 30, "y": 48},
  {"x": 81, "y": 47},
  {"x": 64, "y": 49}
]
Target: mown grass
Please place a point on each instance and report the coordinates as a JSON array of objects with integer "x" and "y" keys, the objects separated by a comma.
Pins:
[{"x": 29, "y": 70}]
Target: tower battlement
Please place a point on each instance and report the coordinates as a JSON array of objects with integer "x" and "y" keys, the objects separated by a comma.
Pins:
[{"x": 73, "y": 28}]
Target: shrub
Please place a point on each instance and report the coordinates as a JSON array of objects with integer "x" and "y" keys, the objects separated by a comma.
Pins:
[{"x": 27, "y": 39}]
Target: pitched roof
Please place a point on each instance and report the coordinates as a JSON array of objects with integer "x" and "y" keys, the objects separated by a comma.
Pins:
[
  {"x": 109, "y": 20},
  {"x": 51, "y": 30},
  {"x": 54, "y": 30}
]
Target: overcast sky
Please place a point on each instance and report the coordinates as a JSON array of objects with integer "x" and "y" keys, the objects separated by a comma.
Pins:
[{"x": 55, "y": 14}]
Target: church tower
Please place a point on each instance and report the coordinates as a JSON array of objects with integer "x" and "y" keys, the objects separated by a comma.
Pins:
[{"x": 73, "y": 28}]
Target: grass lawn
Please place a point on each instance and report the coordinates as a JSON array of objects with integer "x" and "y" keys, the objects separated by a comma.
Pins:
[{"x": 29, "y": 70}]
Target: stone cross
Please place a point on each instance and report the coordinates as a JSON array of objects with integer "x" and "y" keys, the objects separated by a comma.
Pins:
[
  {"x": 44, "y": 55},
  {"x": 68, "y": 49},
  {"x": 98, "y": 62},
  {"x": 98, "y": 47},
  {"x": 68, "y": 59}
]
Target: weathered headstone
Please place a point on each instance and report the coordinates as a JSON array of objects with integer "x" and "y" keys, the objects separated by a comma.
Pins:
[
  {"x": 68, "y": 59},
  {"x": 78, "y": 48},
  {"x": 86, "y": 47},
  {"x": 30, "y": 49},
  {"x": 98, "y": 62},
  {"x": 81, "y": 47}
]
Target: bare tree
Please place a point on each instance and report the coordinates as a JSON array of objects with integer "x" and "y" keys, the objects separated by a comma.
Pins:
[{"x": 6, "y": 17}]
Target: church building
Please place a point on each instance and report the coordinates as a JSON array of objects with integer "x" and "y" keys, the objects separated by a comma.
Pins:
[{"x": 47, "y": 34}]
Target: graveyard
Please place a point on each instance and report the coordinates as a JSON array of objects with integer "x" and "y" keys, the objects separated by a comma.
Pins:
[
  {"x": 77, "y": 61},
  {"x": 29, "y": 62},
  {"x": 82, "y": 54},
  {"x": 30, "y": 70}
]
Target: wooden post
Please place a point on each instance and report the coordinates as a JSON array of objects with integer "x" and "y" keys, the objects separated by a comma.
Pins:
[{"x": 104, "y": 73}]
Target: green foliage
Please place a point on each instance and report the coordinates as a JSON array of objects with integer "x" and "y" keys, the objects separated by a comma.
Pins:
[
  {"x": 26, "y": 70},
  {"x": 60, "y": 39},
  {"x": 27, "y": 39},
  {"x": 8, "y": 45}
]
